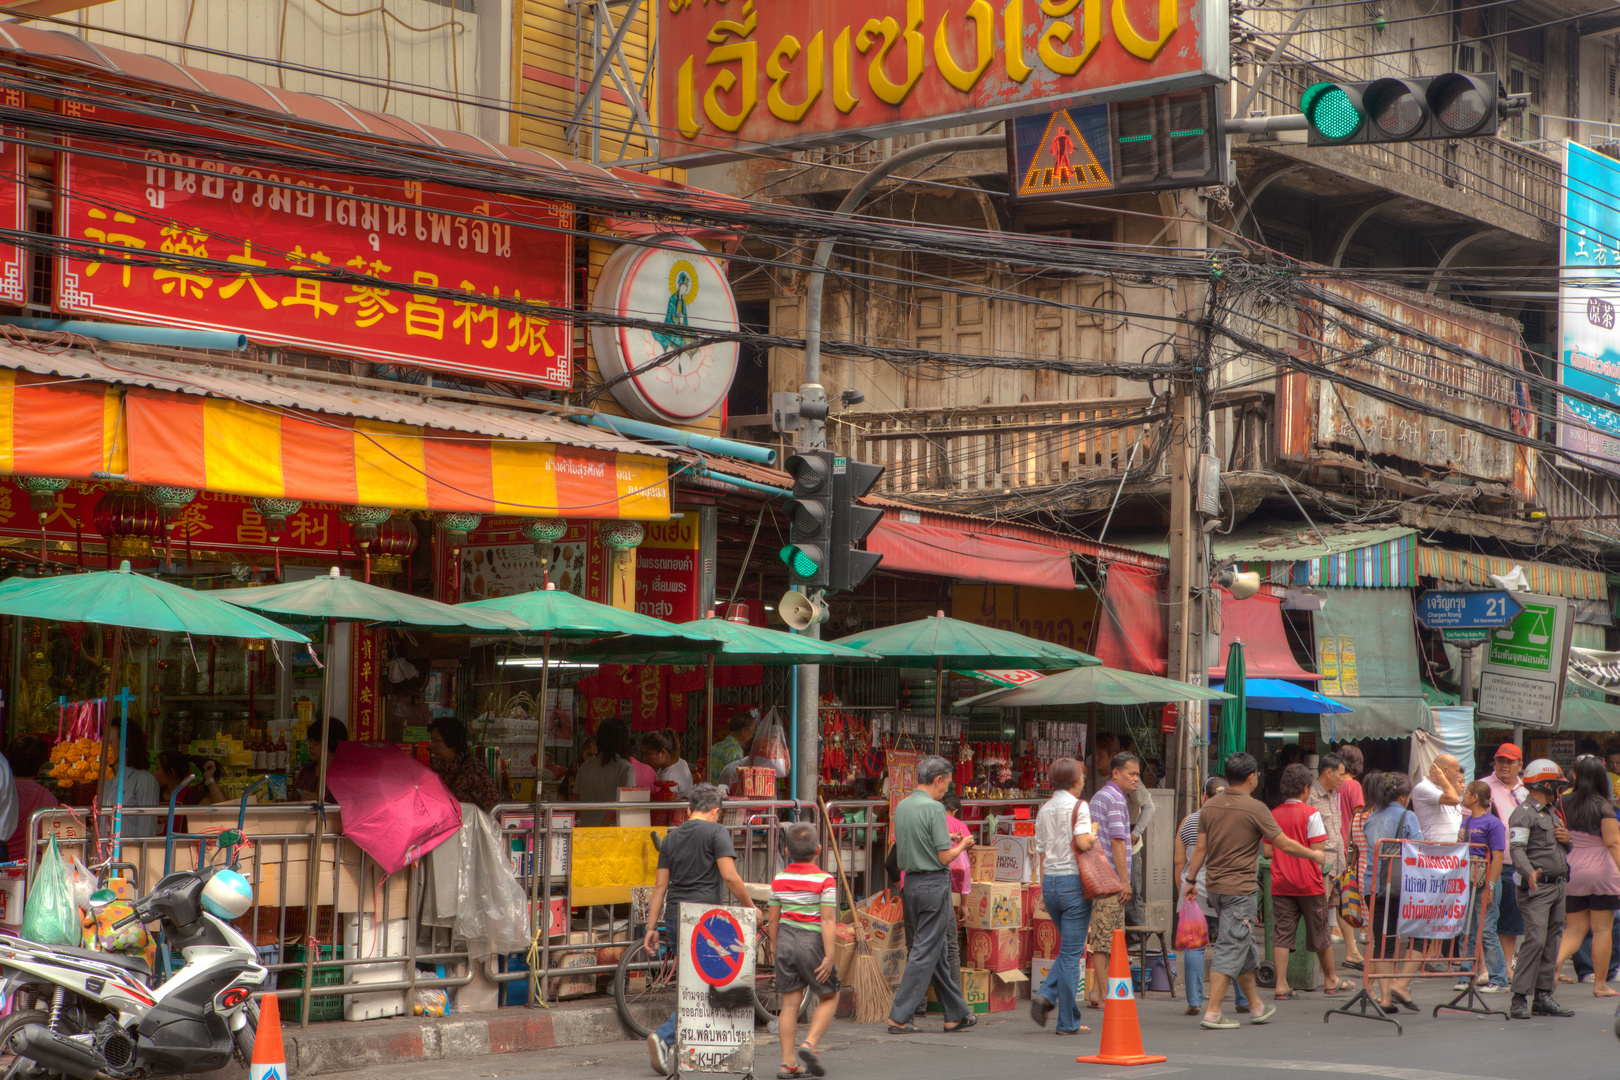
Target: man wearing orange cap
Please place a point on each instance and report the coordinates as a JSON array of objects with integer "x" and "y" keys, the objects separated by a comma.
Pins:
[{"x": 1507, "y": 795}]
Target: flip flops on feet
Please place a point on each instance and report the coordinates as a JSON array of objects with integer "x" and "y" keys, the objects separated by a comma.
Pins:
[{"x": 812, "y": 1061}]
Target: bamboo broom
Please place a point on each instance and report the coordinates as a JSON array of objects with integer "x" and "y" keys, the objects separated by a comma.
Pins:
[{"x": 874, "y": 999}]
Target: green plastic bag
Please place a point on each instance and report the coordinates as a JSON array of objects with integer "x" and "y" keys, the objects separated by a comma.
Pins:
[{"x": 51, "y": 917}]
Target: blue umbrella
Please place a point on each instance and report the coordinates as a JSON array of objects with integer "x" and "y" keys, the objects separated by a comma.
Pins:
[{"x": 1280, "y": 696}]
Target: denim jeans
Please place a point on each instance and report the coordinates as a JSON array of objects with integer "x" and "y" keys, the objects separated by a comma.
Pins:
[
  {"x": 1193, "y": 972},
  {"x": 1071, "y": 912},
  {"x": 1495, "y": 959}
]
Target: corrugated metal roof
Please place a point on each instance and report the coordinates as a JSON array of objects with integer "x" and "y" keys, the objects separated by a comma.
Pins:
[
  {"x": 292, "y": 392},
  {"x": 1276, "y": 543}
]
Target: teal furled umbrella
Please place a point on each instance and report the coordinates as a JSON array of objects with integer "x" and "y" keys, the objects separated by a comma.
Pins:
[
  {"x": 941, "y": 643},
  {"x": 1234, "y": 713},
  {"x": 333, "y": 596}
]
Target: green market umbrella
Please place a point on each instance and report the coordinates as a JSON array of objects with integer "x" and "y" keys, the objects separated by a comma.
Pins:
[
  {"x": 123, "y": 598},
  {"x": 552, "y": 612},
  {"x": 942, "y": 643},
  {"x": 1094, "y": 685},
  {"x": 335, "y": 597},
  {"x": 1234, "y": 713},
  {"x": 721, "y": 642}
]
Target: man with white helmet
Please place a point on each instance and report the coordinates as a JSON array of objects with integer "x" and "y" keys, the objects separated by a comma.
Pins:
[{"x": 1538, "y": 844}]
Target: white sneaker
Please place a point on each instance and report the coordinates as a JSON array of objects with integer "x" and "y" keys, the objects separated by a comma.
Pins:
[
  {"x": 1494, "y": 988},
  {"x": 1586, "y": 978},
  {"x": 1462, "y": 984},
  {"x": 659, "y": 1053}
]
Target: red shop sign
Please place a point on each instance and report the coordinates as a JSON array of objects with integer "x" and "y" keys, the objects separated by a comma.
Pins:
[
  {"x": 737, "y": 77},
  {"x": 211, "y": 522},
  {"x": 667, "y": 570},
  {"x": 403, "y": 231}
]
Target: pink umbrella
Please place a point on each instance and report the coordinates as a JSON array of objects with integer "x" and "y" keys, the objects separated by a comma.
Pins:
[{"x": 394, "y": 807}]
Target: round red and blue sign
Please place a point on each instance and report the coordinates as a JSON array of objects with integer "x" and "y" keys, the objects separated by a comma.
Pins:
[{"x": 718, "y": 948}]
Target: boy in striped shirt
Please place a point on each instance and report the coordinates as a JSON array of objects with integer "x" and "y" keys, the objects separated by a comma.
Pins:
[{"x": 804, "y": 914}]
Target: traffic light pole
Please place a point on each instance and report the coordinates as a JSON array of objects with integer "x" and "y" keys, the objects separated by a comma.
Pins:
[{"x": 813, "y": 420}]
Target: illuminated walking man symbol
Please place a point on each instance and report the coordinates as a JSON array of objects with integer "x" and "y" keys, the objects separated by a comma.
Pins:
[{"x": 1062, "y": 148}]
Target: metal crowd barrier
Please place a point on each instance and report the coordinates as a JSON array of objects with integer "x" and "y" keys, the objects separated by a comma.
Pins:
[{"x": 279, "y": 861}]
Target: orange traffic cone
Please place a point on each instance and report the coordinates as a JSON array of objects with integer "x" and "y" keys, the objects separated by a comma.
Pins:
[
  {"x": 269, "y": 1057},
  {"x": 1121, "y": 1030}
]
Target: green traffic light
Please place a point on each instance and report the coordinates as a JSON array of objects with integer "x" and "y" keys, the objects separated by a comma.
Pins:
[
  {"x": 798, "y": 562},
  {"x": 1331, "y": 110}
]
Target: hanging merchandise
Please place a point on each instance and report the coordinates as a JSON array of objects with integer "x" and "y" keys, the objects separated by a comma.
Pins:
[
  {"x": 770, "y": 744},
  {"x": 76, "y": 757}
]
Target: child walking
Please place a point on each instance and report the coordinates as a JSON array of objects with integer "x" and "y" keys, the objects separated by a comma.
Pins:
[{"x": 804, "y": 917}]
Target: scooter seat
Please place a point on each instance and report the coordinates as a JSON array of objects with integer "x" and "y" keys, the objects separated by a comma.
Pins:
[{"x": 136, "y": 964}]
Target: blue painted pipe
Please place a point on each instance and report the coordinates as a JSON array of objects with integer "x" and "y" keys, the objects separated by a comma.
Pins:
[
  {"x": 765, "y": 489},
  {"x": 136, "y": 335},
  {"x": 759, "y": 455}
]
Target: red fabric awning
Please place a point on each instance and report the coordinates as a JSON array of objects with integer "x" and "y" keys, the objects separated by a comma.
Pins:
[
  {"x": 969, "y": 556},
  {"x": 1258, "y": 623},
  {"x": 1133, "y": 623}
]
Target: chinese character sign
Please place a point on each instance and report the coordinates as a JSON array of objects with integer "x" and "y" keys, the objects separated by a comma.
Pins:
[
  {"x": 1588, "y": 293},
  {"x": 733, "y": 77},
  {"x": 266, "y": 226},
  {"x": 13, "y": 208}
]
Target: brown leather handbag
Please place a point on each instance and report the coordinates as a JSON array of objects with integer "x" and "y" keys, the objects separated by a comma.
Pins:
[{"x": 1097, "y": 875}]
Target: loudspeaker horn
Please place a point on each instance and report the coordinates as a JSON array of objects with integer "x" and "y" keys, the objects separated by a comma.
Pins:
[
  {"x": 1241, "y": 585},
  {"x": 800, "y": 611}
]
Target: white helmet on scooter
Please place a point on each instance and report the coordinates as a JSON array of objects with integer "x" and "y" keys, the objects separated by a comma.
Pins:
[{"x": 227, "y": 895}]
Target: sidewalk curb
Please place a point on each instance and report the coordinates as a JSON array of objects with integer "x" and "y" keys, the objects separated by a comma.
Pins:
[{"x": 342, "y": 1046}]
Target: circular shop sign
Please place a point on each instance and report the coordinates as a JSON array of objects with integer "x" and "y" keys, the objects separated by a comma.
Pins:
[{"x": 680, "y": 284}]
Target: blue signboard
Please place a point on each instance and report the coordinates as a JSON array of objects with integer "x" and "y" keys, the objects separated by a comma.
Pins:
[
  {"x": 1466, "y": 610},
  {"x": 1589, "y": 293}
]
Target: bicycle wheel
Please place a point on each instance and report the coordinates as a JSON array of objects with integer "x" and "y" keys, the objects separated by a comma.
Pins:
[{"x": 644, "y": 988}]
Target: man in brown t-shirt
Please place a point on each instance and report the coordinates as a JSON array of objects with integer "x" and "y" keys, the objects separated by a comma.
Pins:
[{"x": 1231, "y": 828}]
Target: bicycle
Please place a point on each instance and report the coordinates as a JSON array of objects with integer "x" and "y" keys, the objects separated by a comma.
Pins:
[{"x": 644, "y": 986}]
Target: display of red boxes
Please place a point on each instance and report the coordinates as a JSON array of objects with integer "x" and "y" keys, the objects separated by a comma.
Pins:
[{"x": 996, "y": 950}]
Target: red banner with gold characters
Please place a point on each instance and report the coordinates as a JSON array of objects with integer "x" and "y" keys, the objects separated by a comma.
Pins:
[
  {"x": 269, "y": 224},
  {"x": 365, "y": 684},
  {"x": 210, "y": 522}
]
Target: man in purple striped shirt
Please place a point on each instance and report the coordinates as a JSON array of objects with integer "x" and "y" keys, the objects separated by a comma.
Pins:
[{"x": 1111, "y": 813}]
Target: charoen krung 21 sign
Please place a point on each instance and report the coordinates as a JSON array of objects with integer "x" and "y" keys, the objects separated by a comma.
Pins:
[{"x": 736, "y": 75}]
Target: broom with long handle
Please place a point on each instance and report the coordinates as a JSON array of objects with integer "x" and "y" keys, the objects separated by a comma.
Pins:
[{"x": 873, "y": 997}]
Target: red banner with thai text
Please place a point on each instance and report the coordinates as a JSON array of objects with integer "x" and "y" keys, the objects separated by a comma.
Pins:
[
  {"x": 365, "y": 683},
  {"x": 271, "y": 224}
]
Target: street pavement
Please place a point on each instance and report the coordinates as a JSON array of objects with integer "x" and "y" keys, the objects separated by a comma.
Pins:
[{"x": 1007, "y": 1045}]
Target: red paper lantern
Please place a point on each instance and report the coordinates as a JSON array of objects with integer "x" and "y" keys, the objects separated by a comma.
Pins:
[
  {"x": 129, "y": 522},
  {"x": 396, "y": 540}
]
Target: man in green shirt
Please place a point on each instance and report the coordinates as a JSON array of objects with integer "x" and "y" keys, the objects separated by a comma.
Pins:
[
  {"x": 733, "y": 746},
  {"x": 924, "y": 851}
]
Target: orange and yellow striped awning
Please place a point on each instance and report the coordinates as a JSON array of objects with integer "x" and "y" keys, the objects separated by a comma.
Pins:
[
  {"x": 78, "y": 429},
  {"x": 1466, "y": 567}
]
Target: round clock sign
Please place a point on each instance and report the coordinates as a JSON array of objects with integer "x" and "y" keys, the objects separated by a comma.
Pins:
[{"x": 679, "y": 284}]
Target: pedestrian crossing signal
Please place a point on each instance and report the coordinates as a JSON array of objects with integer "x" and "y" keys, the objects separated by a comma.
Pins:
[{"x": 1064, "y": 162}]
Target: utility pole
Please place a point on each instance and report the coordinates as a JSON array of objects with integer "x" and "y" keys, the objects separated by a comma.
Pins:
[
  {"x": 1189, "y": 572},
  {"x": 812, "y": 433}
]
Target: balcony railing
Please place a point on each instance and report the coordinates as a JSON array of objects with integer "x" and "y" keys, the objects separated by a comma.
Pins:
[{"x": 997, "y": 447}]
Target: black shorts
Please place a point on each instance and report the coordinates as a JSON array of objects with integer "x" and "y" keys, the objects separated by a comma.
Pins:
[
  {"x": 1381, "y": 936},
  {"x": 1595, "y": 902}
]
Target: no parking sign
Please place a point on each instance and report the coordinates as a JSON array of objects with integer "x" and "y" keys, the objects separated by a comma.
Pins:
[{"x": 716, "y": 953}]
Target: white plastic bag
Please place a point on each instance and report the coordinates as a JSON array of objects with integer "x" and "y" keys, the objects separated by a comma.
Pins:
[
  {"x": 492, "y": 910},
  {"x": 770, "y": 745}
]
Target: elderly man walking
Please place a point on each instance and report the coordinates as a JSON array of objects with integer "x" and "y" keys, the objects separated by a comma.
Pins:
[
  {"x": 1231, "y": 828},
  {"x": 924, "y": 850}
]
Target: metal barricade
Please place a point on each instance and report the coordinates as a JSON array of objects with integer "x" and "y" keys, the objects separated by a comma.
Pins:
[
  {"x": 279, "y": 861},
  {"x": 1394, "y": 957}
]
